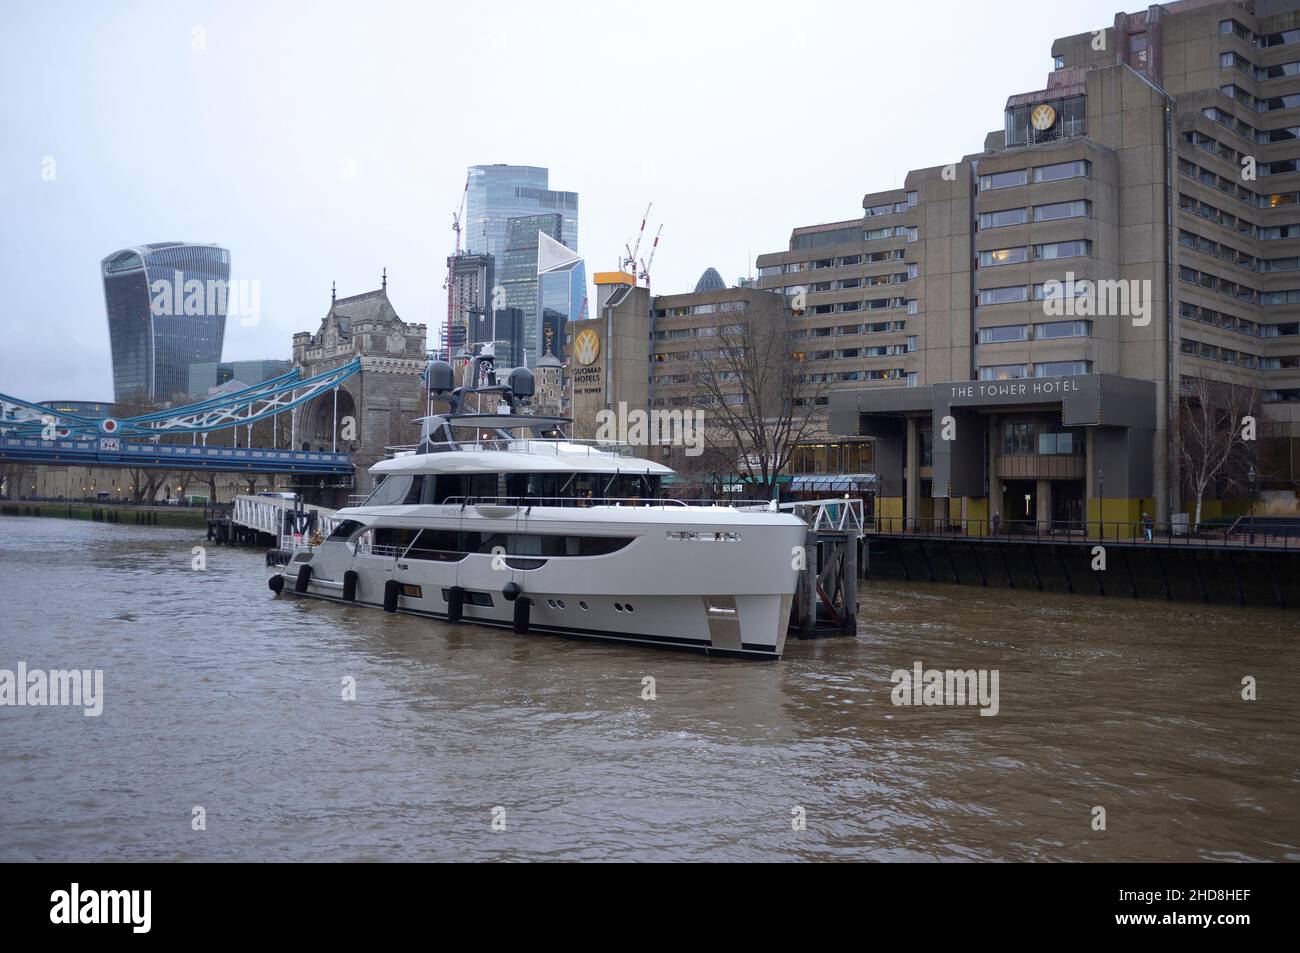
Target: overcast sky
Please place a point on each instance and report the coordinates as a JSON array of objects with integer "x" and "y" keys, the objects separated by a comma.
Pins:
[{"x": 322, "y": 142}]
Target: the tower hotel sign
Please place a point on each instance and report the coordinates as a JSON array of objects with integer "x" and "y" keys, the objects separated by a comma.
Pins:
[{"x": 1006, "y": 390}]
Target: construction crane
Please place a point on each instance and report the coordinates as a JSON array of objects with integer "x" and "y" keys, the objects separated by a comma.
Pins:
[
  {"x": 630, "y": 262},
  {"x": 645, "y": 265},
  {"x": 450, "y": 284}
]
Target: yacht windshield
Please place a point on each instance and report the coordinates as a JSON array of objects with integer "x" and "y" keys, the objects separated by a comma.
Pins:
[{"x": 396, "y": 489}]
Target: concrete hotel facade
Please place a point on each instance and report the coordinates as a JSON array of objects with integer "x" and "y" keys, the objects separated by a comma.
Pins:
[{"x": 936, "y": 307}]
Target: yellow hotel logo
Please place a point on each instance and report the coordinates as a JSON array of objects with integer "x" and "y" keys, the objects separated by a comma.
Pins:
[{"x": 586, "y": 346}]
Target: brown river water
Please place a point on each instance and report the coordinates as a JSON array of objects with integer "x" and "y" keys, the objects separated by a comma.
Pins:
[{"x": 219, "y": 696}]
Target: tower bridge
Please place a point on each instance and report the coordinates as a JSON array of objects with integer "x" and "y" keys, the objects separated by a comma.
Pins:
[{"x": 353, "y": 391}]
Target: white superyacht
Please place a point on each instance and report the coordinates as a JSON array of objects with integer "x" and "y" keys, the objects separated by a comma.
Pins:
[{"x": 499, "y": 519}]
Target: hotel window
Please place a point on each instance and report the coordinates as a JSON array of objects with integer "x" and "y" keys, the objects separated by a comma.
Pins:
[
  {"x": 851, "y": 260},
  {"x": 1277, "y": 200},
  {"x": 1003, "y": 256},
  {"x": 1062, "y": 329},
  {"x": 1275, "y": 232},
  {"x": 912, "y": 307},
  {"x": 1278, "y": 39},
  {"x": 1003, "y": 180},
  {"x": 911, "y": 271},
  {"x": 1018, "y": 438},
  {"x": 1053, "y": 443},
  {"x": 911, "y": 342},
  {"x": 1242, "y": 96},
  {"x": 1061, "y": 289},
  {"x": 1236, "y": 61},
  {"x": 1137, "y": 45},
  {"x": 1271, "y": 103},
  {"x": 1277, "y": 71},
  {"x": 1061, "y": 368},
  {"x": 1009, "y": 216},
  {"x": 1008, "y": 295},
  {"x": 1010, "y": 332},
  {"x": 1003, "y": 372},
  {"x": 1279, "y": 167},
  {"x": 1079, "y": 169},
  {"x": 1054, "y": 250},
  {"x": 1235, "y": 28},
  {"x": 1059, "y": 210},
  {"x": 872, "y": 234}
]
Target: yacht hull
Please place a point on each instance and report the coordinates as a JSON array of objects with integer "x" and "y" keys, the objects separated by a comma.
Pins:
[{"x": 709, "y": 580}]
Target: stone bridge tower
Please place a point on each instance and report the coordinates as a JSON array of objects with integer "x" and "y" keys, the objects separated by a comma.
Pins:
[{"x": 377, "y": 407}]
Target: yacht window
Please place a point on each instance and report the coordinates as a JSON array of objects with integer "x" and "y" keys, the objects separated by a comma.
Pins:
[
  {"x": 345, "y": 529},
  {"x": 437, "y": 545},
  {"x": 540, "y": 544},
  {"x": 455, "y": 486},
  {"x": 392, "y": 491},
  {"x": 395, "y": 537}
]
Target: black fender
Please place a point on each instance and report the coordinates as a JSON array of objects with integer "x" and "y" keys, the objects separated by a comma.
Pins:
[{"x": 455, "y": 604}]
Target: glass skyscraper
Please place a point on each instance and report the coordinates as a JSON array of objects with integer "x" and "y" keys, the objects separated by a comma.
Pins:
[
  {"x": 507, "y": 208},
  {"x": 166, "y": 305},
  {"x": 563, "y": 299},
  {"x": 518, "y": 275},
  {"x": 498, "y": 193}
]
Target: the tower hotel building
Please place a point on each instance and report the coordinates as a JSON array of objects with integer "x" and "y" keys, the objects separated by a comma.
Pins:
[{"x": 1162, "y": 161}]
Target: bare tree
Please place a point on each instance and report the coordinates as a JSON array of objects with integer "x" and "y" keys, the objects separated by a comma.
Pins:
[
  {"x": 1216, "y": 430},
  {"x": 704, "y": 476},
  {"x": 145, "y": 484},
  {"x": 761, "y": 399}
]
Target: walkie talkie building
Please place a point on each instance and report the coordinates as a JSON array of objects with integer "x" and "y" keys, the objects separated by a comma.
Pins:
[{"x": 166, "y": 305}]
